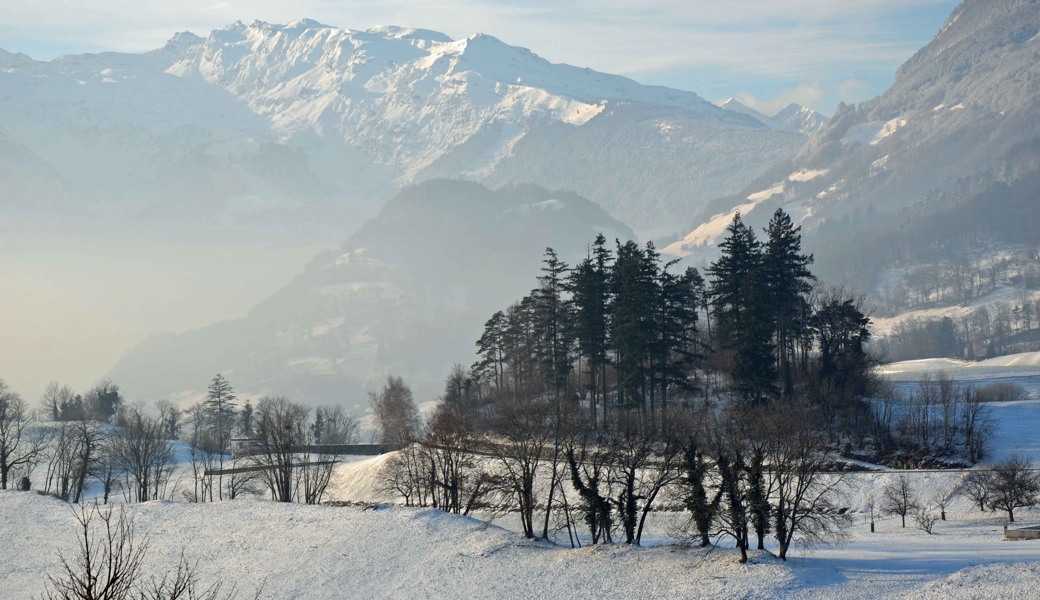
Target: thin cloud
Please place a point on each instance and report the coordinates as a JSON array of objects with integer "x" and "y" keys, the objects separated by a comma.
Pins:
[{"x": 854, "y": 90}]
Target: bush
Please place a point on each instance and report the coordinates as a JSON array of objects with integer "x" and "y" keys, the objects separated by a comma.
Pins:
[
  {"x": 1003, "y": 392},
  {"x": 925, "y": 520}
]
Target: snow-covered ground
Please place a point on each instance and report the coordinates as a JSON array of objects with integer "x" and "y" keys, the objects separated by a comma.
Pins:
[{"x": 302, "y": 552}]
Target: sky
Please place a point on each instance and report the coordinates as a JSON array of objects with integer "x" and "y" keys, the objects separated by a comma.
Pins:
[{"x": 766, "y": 53}]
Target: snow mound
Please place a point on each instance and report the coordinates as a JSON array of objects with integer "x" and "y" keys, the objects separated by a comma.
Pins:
[
  {"x": 1025, "y": 364},
  {"x": 1006, "y": 581},
  {"x": 1024, "y": 359}
]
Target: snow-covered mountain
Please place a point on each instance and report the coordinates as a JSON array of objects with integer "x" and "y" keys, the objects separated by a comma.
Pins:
[
  {"x": 255, "y": 122},
  {"x": 793, "y": 118},
  {"x": 938, "y": 168},
  {"x": 406, "y": 294}
]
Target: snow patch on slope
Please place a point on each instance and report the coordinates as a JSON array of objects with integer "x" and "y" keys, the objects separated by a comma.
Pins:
[
  {"x": 806, "y": 175},
  {"x": 714, "y": 228},
  {"x": 888, "y": 129}
]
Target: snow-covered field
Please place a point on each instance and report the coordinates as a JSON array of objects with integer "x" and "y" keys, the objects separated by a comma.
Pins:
[
  {"x": 299, "y": 551},
  {"x": 1016, "y": 424}
]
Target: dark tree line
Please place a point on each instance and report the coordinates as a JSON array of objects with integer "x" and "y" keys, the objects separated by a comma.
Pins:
[{"x": 620, "y": 330}]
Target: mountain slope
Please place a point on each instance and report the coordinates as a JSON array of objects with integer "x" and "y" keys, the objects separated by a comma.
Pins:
[
  {"x": 959, "y": 123},
  {"x": 406, "y": 294}
]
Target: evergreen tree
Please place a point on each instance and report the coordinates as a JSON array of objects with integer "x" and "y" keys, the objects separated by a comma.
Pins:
[
  {"x": 677, "y": 330},
  {"x": 842, "y": 330},
  {"x": 731, "y": 275},
  {"x": 551, "y": 318},
  {"x": 631, "y": 322},
  {"x": 245, "y": 421},
  {"x": 589, "y": 288},
  {"x": 220, "y": 410},
  {"x": 491, "y": 351},
  {"x": 740, "y": 305},
  {"x": 788, "y": 284}
]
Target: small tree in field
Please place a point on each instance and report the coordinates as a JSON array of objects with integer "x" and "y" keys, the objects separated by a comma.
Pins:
[
  {"x": 925, "y": 519},
  {"x": 1013, "y": 484},
  {"x": 899, "y": 498},
  {"x": 871, "y": 506},
  {"x": 977, "y": 488},
  {"x": 942, "y": 497}
]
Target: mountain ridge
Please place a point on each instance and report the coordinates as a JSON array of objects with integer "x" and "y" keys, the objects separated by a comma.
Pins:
[{"x": 367, "y": 112}]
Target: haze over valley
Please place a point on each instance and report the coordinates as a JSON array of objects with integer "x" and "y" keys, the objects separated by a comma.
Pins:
[{"x": 687, "y": 300}]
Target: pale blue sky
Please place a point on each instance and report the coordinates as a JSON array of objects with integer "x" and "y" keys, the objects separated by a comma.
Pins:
[{"x": 765, "y": 52}]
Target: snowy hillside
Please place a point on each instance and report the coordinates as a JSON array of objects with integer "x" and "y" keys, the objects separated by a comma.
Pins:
[{"x": 301, "y": 551}]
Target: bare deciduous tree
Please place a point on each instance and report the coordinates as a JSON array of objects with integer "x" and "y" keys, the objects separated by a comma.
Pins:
[
  {"x": 943, "y": 496},
  {"x": 18, "y": 445},
  {"x": 140, "y": 450},
  {"x": 280, "y": 428},
  {"x": 899, "y": 498},
  {"x": 1013, "y": 484},
  {"x": 56, "y": 400},
  {"x": 521, "y": 444},
  {"x": 109, "y": 566},
  {"x": 871, "y": 506},
  {"x": 977, "y": 487},
  {"x": 925, "y": 519},
  {"x": 805, "y": 495}
]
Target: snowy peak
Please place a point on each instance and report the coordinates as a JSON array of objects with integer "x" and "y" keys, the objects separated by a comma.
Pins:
[
  {"x": 413, "y": 100},
  {"x": 794, "y": 118},
  {"x": 396, "y": 105},
  {"x": 799, "y": 119},
  {"x": 410, "y": 33},
  {"x": 732, "y": 104}
]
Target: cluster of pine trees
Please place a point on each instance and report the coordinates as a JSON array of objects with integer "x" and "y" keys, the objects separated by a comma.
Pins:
[{"x": 621, "y": 331}]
